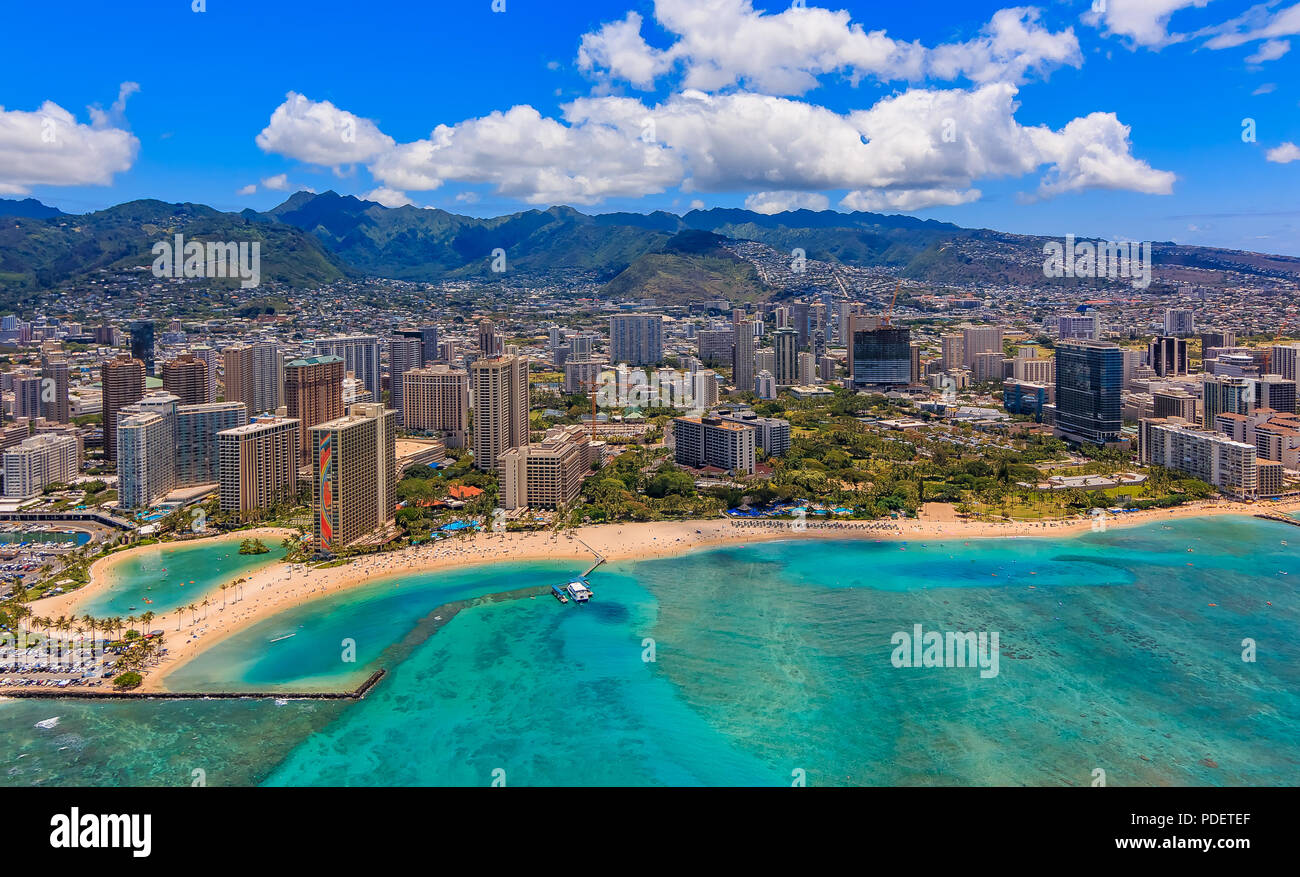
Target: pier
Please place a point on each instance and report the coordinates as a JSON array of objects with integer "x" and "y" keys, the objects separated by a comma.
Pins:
[
  {"x": 600, "y": 558},
  {"x": 1279, "y": 517},
  {"x": 64, "y": 694}
]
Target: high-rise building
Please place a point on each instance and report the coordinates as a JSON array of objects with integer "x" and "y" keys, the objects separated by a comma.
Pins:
[
  {"x": 1225, "y": 338},
  {"x": 360, "y": 355},
  {"x": 706, "y": 388},
  {"x": 313, "y": 394},
  {"x": 1274, "y": 392},
  {"x": 765, "y": 385},
  {"x": 429, "y": 342},
  {"x": 989, "y": 366},
  {"x": 354, "y": 467},
  {"x": 254, "y": 375},
  {"x": 772, "y": 434},
  {"x": 259, "y": 463},
  {"x": 122, "y": 380},
  {"x": 186, "y": 377},
  {"x": 1024, "y": 397},
  {"x": 1282, "y": 361},
  {"x": 38, "y": 462},
  {"x": 197, "y": 450},
  {"x": 172, "y": 445},
  {"x": 742, "y": 356},
  {"x": 209, "y": 357},
  {"x": 499, "y": 386},
  {"x": 1174, "y": 403},
  {"x": 1030, "y": 366},
  {"x": 879, "y": 355},
  {"x": 1223, "y": 394},
  {"x": 785, "y": 346},
  {"x": 1089, "y": 388},
  {"x": 1168, "y": 356},
  {"x": 490, "y": 342},
  {"x": 546, "y": 474},
  {"x": 142, "y": 345},
  {"x": 848, "y": 309},
  {"x": 437, "y": 400},
  {"x": 714, "y": 345},
  {"x": 404, "y": 354},
  {"x": 583, "y": 376},
  {"x": 712, "y": 441},
  {"x": 54, "y": 389},
  {"x": 807, "y": 369},
  {"x": 800, "y": 312},
  {"x": 636, "y": 339},
  {"x": 1180, "y": 322},
  {"x": 980, "y": 339},
  {"x": 144, "y": 456},
  {"x": 953, "y": 355},
  {"x": 1210, "y": 456},
  {"x": 1079, "y": 327},
  {"x": 27, "y": 394}
]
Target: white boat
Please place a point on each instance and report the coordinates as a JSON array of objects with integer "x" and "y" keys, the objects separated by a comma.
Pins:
[
  {"x": 286, "y": 636},
  {"x": 579, "y": 591}
]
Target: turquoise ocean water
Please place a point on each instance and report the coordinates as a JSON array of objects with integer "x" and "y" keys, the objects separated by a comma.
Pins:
[
  {"x": 175, "y": 575},
  {"x": 748, "y": 665}
]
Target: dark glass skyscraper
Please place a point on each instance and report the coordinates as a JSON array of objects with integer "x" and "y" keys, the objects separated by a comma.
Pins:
[
  {"x": 881, "y": 356},
  {"x": 142, "y": 344},
  {"x": 1089, "y": 382}
]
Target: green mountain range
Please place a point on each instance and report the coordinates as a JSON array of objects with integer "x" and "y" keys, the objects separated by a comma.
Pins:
[{"x": 317, "y": 238}]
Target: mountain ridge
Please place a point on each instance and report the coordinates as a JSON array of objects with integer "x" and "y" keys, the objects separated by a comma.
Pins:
[{"x": 314, "y": 238}]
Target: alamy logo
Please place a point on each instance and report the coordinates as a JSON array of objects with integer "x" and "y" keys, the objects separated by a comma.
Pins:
[
  {"x": 241, "y": 259},
  {"x": 1101, "y": 259},
  {"x": 102, "y": 831},
  {"x": 635, "y": 388},
  {"x": 933, "y": 648}
]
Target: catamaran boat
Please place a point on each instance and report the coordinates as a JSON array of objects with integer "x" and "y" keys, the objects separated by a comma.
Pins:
[{"x": 579, "y": 591}]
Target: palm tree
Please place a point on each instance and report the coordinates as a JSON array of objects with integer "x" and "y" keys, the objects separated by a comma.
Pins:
[
  {"x": 223, "y": 596},
  {"x": 206, "y": 604},
  {"x": 193, "y": 608},
  {"x": 146, "y": 618}
]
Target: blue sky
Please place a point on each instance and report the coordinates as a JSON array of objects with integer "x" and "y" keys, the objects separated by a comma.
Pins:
[{"x": 748, "y": 104}]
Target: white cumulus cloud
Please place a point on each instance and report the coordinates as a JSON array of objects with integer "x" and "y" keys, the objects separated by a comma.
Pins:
[
  {"x": 1145, "y": 22},
  {"x": 879, "y": 200},
  {"x": 387, "y": 197},
  {"x": 1284, "y": 154},
  {"x": 922, "y": 147},
  {"x": 319, "y": 133},
  {"x": 779, "y": 202},
  {"x": 724, "y": 43},
  {"x": 49, "y": 147},
  {"x": 277, "y": 183}
]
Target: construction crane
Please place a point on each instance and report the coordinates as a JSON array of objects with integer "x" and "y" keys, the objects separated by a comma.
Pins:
[
  {"x": 591, "y": 392},
  {"x": 889, "y": 314}
]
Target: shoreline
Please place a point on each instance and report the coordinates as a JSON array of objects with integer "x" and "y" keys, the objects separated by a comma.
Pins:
[
  {"x": 285, "y": 586},
  {"x": 103, "y": 572}
]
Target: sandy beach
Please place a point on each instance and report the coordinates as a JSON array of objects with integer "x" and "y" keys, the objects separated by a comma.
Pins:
[{"x": 283, "y": 586}]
